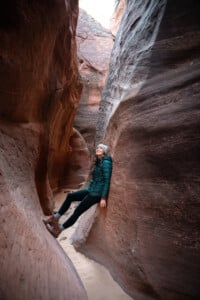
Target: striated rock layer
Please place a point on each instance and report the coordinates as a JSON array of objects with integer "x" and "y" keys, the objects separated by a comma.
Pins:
[
  {"x": 39, "y": 92},
  {"x": 149, "y": 235}
]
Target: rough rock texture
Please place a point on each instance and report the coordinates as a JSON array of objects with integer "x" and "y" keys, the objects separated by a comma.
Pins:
[
  {"x": 94, "y": 47},
  {"x": 39, "y": 92},
  {"x": 149, "y": 235}
]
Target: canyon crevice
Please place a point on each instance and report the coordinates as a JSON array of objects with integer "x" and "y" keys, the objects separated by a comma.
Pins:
[
  {"x": 148, "y": 237},
  {"x": 94, "y": 45}
]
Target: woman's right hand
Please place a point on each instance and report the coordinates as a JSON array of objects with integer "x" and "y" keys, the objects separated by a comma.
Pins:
[{"x": 103, "y": 202}]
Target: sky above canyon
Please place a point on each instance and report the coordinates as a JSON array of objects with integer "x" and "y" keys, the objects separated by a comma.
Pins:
[{"x": 100, "y": 10}]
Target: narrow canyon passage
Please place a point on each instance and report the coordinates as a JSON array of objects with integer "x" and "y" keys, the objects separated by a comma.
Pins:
[
  {"x": 98, "y": 282},
  {"x": 68, "y": 83}
]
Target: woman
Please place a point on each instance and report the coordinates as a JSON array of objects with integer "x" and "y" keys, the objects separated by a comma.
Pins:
[{"x": 97, "y": 192}]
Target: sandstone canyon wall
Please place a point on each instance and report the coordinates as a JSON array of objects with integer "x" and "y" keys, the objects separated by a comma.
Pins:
[
  {"x": 39, "y": 93},
  {"x": 149, "y": 234}
]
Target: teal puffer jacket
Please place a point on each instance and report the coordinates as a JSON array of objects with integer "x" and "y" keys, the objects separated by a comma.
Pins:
[{"x": 101, "y": 175}]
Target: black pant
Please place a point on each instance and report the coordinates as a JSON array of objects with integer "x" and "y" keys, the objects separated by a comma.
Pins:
[{"x": 86, "y": 202}]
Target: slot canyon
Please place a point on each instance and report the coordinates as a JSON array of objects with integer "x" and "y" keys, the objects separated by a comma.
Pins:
[{"x": 67, "y": 83}]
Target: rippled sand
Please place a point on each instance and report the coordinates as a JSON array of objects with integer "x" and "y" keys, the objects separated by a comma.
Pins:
[{"x": 98, "y": 282}]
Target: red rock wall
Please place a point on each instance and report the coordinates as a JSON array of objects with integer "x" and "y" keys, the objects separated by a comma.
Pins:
[
  {"x": 39, "y": 93},
  {"x": 149, "y": 234}
]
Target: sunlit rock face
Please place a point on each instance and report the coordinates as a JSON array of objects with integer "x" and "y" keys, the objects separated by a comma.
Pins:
[
  {"x": 39, "y": 92},
  {"x": 149, "y": 234},
  {"x": 94, "y": 45}
]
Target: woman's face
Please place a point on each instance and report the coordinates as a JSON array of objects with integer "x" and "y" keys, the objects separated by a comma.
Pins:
[{"x": 99, "y": 151}]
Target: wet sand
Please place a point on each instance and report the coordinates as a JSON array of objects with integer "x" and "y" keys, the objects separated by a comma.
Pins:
[{"x": 98, "y": 282}]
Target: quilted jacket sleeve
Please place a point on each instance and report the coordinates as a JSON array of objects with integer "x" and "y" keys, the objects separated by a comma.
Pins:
[{"x": 107, "y": 172}]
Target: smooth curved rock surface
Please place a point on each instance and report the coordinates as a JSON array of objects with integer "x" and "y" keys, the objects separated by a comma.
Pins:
[
  {"x": 39, "y": 81},
  {"x": 149, "y": 235},
  {"x": 33, "y": 266},
  {"x": 39, "y": 93}
]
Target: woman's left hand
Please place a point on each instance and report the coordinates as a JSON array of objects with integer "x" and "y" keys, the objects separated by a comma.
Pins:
[{"x": 103, "y": 202}]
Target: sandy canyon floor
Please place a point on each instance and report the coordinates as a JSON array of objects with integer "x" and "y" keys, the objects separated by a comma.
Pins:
[{"x": 98, "y": 282}]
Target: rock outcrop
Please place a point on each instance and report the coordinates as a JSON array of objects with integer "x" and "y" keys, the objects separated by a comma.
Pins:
[
  {"x": 149, "y": 234},
  {"x": 39, "y": 93},
  {"x": 94, "y": 45}
]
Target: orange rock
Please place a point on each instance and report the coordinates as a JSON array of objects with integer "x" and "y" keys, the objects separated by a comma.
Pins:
[{"x": 39, "y": 93}]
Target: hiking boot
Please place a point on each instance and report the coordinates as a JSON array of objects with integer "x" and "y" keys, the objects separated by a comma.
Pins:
[
  {"x": 54, "y": 230},
  {"x": 51, "y": 221}
]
